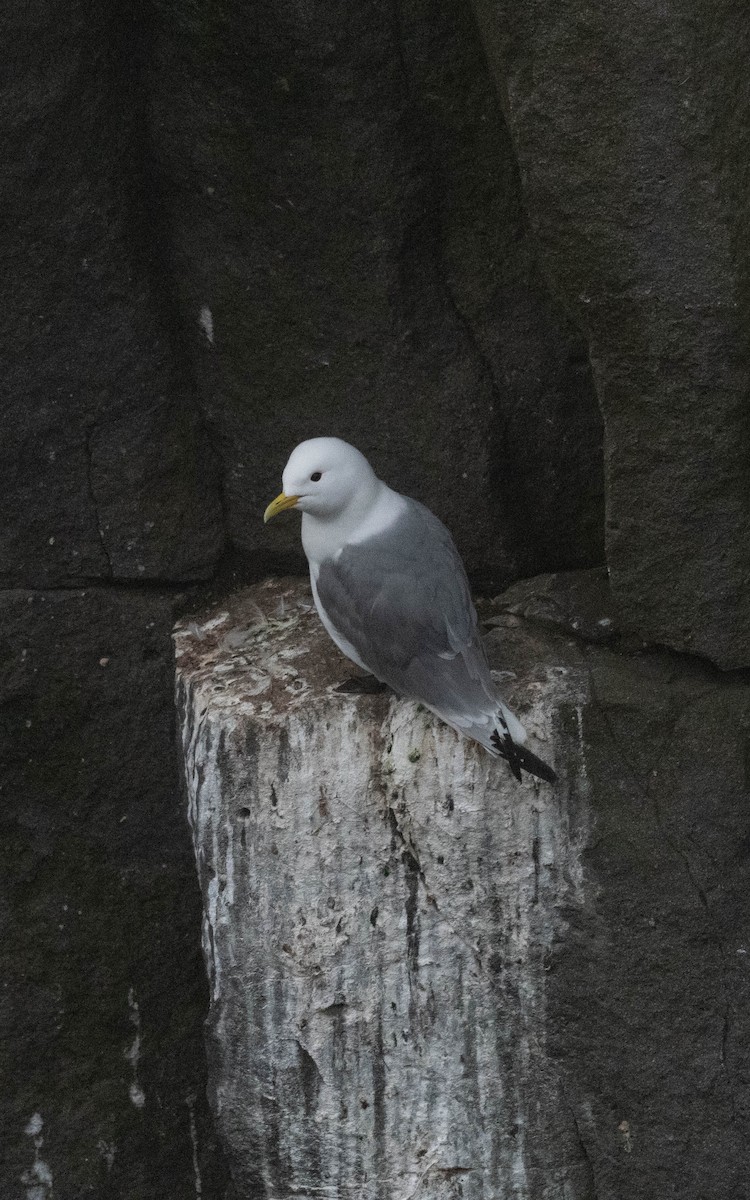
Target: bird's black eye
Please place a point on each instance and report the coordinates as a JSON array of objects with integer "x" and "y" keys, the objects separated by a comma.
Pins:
[{"x": 316, "y": 475}]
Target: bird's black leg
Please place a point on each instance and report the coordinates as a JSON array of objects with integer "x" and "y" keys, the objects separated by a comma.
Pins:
[{"x": 362, "y": 685}]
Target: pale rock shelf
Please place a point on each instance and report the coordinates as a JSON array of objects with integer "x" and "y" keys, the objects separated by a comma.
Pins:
[{"x": 380, "y": 902}]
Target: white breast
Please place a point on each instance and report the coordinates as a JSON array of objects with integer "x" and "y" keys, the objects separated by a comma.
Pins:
[{"x": 326, "y": 538}]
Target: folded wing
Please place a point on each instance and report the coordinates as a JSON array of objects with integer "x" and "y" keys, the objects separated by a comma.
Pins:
[{"x": 401, "y": 599}]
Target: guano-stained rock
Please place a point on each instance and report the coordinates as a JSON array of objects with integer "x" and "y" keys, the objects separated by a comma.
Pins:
[
  {"x": 428, "y": 981},
  {"x": 380, "y": 897}
]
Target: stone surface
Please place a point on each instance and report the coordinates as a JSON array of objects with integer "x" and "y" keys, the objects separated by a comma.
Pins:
[
  {"x": 429, "y": 981},
  {"x": 181, "y": 308},
  {"x": 379, "y": 901},
  {"x": 648, "y": 991},
  {"x": 629, "y": 128},
  {"x": 103, "y": 992},
  {"x": 225, "y": 229},
  {"x": 352, "y": 259},
  {"x": 579, "y": 602},
  {"x": 105, "y": 467}
]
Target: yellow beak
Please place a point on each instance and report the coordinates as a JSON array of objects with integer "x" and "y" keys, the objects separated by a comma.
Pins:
[{"x": 278, "y": 505}]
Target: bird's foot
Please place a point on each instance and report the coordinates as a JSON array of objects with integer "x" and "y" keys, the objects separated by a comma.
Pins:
[{"x": 362, "y": 685}]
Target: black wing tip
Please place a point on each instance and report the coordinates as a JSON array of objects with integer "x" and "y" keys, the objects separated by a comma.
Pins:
[
  {"x": 536, "y": 766},
  {"x": 520, "y": 759}
]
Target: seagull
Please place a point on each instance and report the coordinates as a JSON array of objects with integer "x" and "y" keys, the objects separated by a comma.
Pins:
[{"x": 391, "y": 590}]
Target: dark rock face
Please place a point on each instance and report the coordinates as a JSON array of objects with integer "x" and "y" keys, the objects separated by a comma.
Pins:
[
  {"x": 103, "y": 993},
  {"x": 649, "y": 989},
  {"x": 577, "y": 601},
  {"x": 628, "y": 129},
  {"x": 106, "y": 475},
  {"x": 105, "y": 469},
  {"x": 226, "y": 228},
  {"x": 353, "y": 260}
]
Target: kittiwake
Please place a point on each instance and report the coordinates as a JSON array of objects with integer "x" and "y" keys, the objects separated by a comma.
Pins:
[{"x": 391, "y": 590}]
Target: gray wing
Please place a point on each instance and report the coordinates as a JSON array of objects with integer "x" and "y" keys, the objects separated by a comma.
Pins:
[{"x": 402, "y": 601}]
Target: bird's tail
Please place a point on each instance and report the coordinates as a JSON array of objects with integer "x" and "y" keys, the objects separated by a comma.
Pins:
[{"x": 518, "y": 757}]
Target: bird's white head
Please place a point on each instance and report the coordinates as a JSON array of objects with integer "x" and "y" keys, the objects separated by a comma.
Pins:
[{"x": 324, "y": 477}]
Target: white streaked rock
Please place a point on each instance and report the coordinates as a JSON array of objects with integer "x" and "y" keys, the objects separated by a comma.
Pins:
[{"x": 379, "y": 899}]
